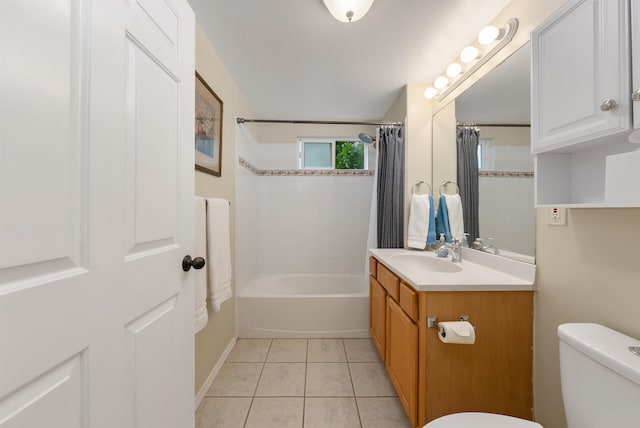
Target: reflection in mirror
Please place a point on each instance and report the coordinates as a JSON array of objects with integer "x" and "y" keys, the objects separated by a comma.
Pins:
[{"x": 498, "y": 105}]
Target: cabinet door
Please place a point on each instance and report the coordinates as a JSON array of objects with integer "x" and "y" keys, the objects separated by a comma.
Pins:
[
  {"x": 580, "y": 61},
  {"x": 377, "y": 314},
  {"x": 402, "y": 357}
]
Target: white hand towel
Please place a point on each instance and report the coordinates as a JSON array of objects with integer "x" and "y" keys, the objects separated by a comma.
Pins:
[
  {"x": 201, "y": 275},
  {"x": 456, "y": 220},
  {"x": 418, "y": 222},
  {"x": 218, "y": 251}
]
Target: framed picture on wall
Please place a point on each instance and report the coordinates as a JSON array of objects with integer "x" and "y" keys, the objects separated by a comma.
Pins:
[{"x": 208, "y": 135}]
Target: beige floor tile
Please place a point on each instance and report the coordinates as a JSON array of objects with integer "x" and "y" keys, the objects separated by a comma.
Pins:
[
  {"x": 236, "y": 380},
  {"x": 326, "y": 351},
  {"x": 382, "y": 412},
  {"x": 331, "y": 413},
  {"x": 328, "y": 380},
  {"x": 371, "y": 380},
  {"x": 288, "y": 351},
  {"x": 249, "y": 351},
  {"x": 361, "y": 351},
  {"x": 282, "y": 380},
  {"x": 276, "y": 413},
  {"x": 222, "y": 412}
]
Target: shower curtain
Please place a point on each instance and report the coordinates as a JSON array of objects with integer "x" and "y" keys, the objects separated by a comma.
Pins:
[
  {"x": 390, "y": 188},
  {"x": 467, "y": 176}
]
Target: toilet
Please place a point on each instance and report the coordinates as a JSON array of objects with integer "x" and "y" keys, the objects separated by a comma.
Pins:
[{"x": 600, "y": 375}]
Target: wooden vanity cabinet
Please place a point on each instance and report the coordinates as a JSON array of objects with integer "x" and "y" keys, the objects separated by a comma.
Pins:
[{"x": 432, "y": 378}]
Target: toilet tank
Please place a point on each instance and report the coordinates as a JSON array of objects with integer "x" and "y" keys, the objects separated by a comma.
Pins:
[{"x": 600, "y": 377}]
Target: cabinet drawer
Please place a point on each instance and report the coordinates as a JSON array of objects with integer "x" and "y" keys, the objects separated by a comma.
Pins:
[
  {"x": 408, "y": 300},
  {"x": 388, "y": 280},
  {"x": 372, "y": 266}
]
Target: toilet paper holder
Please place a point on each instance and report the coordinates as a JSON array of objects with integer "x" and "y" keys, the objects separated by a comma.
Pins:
[{"x": 432, "y": 322}]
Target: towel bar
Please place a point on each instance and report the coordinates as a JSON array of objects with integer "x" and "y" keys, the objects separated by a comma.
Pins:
[
  {"x": 445, "y": 184},
  {"x": 418, "y": 183}
]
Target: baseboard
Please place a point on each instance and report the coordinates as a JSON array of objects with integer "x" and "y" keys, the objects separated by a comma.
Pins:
[{"x": 214, "y": 372}]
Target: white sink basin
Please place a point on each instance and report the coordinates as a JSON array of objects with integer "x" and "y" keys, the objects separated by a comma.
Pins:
[
  {"x": 428, "y": 262},
  {"x": 479, "y": 271}
]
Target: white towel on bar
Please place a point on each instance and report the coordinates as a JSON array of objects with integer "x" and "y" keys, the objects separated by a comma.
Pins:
[
  {"x": 218, "y": 252},
  {"x": 201, "y": 275},
  {"x": 456, "y": 219},
  {"x": 418, "y": 222}
]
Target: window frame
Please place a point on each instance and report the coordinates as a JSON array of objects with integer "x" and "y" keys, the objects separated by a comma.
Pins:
[{"x": 332, "y": 141}]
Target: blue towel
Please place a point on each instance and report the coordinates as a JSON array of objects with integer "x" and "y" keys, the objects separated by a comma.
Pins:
[
  {"x": 442, "y": 221},
  {"x": 431, "y": 234}
]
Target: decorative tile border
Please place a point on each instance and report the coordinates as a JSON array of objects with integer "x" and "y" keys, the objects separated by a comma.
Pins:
[
  {"x": 506, "y": 174},
  {"x": 304, "y": 172}
]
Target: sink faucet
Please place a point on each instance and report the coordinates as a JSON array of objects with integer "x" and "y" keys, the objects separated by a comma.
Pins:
[{"x": 454, "y": 248}]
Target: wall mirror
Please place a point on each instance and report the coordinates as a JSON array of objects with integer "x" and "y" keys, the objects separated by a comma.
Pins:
[{"x": 498, "y": 105}]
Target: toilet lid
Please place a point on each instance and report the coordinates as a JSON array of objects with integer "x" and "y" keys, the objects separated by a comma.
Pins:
[{"x": 480, "y": 420}]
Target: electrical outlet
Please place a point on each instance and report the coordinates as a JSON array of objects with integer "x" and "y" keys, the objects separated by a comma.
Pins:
[{"x": 557, "y": 217}]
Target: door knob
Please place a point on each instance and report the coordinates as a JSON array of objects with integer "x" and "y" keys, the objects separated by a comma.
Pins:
[
  {"x": 635, "y": 95},
  {"x": 608, "y": 105},
  {"x": 197, "y": 263}
]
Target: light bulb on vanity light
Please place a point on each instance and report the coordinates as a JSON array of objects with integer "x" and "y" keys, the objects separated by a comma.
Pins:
[
  {"x": 454, "y": 69},
  {"x": 430, "y": 92},
  {"x": 468, "y": 54},
  {"x": 488, "y": 34},
  {"x": 440, "y": 82}
]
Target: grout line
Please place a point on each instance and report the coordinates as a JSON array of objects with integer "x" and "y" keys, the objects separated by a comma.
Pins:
[
  {"x": 304, "y": 396},
  {"x": 353, "y": 387}
]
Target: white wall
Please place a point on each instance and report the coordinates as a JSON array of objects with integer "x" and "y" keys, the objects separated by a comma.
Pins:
[
  {"x": 247, "y": 209},
  {"x": 313, "y": 224}
]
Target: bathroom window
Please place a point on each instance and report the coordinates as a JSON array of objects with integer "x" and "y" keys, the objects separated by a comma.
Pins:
[
  {"x": 485, "y": 155},
  {"x": 332, "y": 153}
]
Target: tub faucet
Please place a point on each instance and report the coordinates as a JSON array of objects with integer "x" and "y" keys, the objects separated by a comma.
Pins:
[{"x": 454, "y": 248}]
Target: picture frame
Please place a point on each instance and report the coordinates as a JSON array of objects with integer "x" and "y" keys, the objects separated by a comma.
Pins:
[{"x": 208, "y": 129}]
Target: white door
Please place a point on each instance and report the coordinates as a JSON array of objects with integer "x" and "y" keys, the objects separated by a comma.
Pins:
[{"x": 96, "y": 213}]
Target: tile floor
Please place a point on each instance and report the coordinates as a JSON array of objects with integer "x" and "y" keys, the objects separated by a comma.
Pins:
[{"x": 310, "y": 383}]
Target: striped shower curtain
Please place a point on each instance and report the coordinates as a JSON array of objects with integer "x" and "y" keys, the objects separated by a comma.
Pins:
[{"x": 391, "y": 188}]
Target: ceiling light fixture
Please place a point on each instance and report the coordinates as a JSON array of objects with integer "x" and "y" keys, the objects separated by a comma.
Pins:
[
  {"x": 348, "y": 10},
  {"x": 492, "y": 39}
]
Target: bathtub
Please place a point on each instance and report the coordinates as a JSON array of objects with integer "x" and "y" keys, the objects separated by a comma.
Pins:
[{"x": 304, "y": 306}]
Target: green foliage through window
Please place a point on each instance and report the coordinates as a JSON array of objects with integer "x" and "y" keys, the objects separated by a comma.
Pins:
[{"x": 349, "y": 155}]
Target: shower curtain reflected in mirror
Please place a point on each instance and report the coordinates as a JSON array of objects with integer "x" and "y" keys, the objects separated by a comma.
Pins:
[{"x": 467, "y": 176}]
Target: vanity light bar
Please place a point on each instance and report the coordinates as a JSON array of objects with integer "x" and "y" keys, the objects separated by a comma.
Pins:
[{"x": 469, "y": 54}]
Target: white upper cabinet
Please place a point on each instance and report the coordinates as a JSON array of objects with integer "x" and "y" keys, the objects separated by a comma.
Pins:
[
  {"x": 581, "y": 76},
  {"x": 585, "y": 70}
]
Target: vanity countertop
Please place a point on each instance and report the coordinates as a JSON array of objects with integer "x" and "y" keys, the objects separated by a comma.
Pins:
[{"x": 478, "y": 271}]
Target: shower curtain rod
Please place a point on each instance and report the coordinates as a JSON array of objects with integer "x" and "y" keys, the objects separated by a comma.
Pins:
[
  {"x": 242, "y": 120},
  {"x": 497, "y": 125}
]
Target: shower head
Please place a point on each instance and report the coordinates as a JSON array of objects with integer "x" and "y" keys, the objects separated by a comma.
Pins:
[{"x": 366, "y": 138}]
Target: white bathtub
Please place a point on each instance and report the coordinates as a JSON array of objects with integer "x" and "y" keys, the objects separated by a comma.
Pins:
[{"x": 304, "y": 306}]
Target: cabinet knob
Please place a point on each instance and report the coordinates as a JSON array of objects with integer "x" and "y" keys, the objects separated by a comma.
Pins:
[
  {"x": 635, "y": 96},
  {"x": 608, "y": 105}
]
